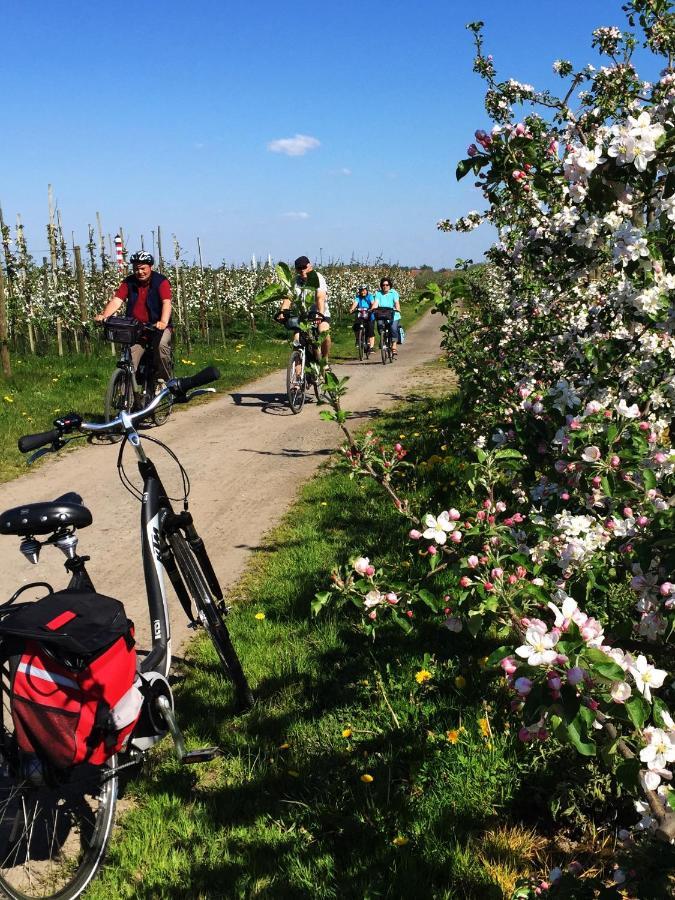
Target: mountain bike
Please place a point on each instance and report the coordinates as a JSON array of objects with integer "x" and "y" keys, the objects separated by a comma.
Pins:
[
  {"x": 300, "y": 375},
  {"x": 384, "y": 318},
  {"x": 128, "y": 389},
  {"x": 361, "y": 333},
  {"x": 55, "y": 824}
]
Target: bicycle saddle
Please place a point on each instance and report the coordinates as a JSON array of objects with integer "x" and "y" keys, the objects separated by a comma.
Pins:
[{"x": 43, "y": 518}]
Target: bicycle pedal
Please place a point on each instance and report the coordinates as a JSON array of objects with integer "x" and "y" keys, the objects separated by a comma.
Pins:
[{"x": 203, "y": 754}]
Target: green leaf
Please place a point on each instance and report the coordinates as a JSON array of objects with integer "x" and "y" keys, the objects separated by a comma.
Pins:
[
  {"x": 463, "y": 168},
  {"x": 430, "y": 600},
  {"x": 649, "y": 479},
  {"x": 320, "y": 600},
  {"x": 576, "y": 732},
  {"x": 270, "y": 293},
  {"x": 327, "y": 415},
  {"x": 627, "y": 773},
  {"x": 658, "y": 709},
  {"x": 403, "y": 623},
  {"x": 284, "y": 274},
  {"x": 498, "y": 655},
  {"x": 508, "y": 454},
  {"x": 607, "y": 488},
  {"x": 638, "y": 710},
  {"x": 312, "y": 279},
  {"x": 602, "y": 664},
  {"x": 474, "y": 624}
]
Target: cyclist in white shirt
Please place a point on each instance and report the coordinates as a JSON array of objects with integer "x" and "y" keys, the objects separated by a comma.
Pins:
[{"x": 301, "y": 289}]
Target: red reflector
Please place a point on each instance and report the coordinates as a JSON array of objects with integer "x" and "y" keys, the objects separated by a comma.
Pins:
[{"x": 61, "y": 620}]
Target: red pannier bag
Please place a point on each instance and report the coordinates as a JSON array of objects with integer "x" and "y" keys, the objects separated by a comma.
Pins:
[{"x": 73, "y": 693}]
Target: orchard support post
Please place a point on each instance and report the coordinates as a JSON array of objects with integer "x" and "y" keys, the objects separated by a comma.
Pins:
[
  {"x": 82, "y": 297},
  {"x": 4, "y": 349}
]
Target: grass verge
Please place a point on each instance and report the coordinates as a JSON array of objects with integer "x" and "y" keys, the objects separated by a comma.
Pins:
[{"x": 349, "y": 778}]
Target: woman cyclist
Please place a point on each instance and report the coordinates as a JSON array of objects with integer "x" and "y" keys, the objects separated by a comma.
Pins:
[
  {"x": 361, "y": 307},
  {"x": 388, "y": 298}
]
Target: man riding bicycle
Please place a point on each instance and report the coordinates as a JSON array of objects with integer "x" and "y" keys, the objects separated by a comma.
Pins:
[
  {"x": 148, "y": 298},
  {"x": 361, "y": 307},
  {"x": 319, "y": 308}
]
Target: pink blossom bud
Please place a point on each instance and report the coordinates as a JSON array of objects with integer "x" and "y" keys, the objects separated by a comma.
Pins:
[
  {"x": 596, "y": 481},
  {"x": 432, "y": 550},
  {"x": 488, "y": 586},
  {"x": 370, "y": 571},
  {"x": 627, "y": 511},
  {"x": 472, "y": 562},
  {"x": 615, "y": 461},
  {"x": 500, "y": 506},
  {"x": 642, "y": 521},
  {"x": 465, "y": 581},
  {"x": 372, "y": 614},
  {"x": 486, "y": 504},
  {"x": 554, "y": 682},
  {"x": 524, "y": 735},
  {"x": 564, "y": 496},
  {"x": 414, "y": 534},
  {"x": 472, "y": 150},
  {"x": 454, "y": 515},
  {"x": 660, "y": 458},
  {"x": 644, "y": 426},
  {"x": 542, "y": 734},
  {"x": 508, "y": 664},
  {"x": 398, "y": 448},
  {"x": 666, "y": 589},
  {"x": 561, "y": 659},
  {"x": 491, "y": 520},
  {"x": 392, "y": 598},
  {"x": 652, "y": 437},
  {"x": 513, "y": 579},
  {"x": 497, "y": 572},
  {"x": 480, "y": 515},
  {"x": 456, "y": 537},
  {"x": 576, "y": 675},
  {"x": 409, "y": 613},
  {"x": 521, "y": 571}
]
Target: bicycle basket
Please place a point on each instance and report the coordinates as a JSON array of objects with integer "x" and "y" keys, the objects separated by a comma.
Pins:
[
  {"x": 384, "y": 313},
  {"x": 123, "y": 330}
]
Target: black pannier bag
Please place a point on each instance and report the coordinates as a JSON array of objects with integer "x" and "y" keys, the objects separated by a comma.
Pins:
[
  {"x": 73, "y": 670},
  {"x": 123, "y": 330}
]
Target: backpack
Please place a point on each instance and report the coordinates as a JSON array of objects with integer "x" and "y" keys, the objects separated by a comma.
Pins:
[{"x": 73, "y": 696}]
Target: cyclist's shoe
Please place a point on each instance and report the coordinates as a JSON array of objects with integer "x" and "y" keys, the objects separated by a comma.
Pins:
[
  {"x": 160, "y": 384},
  {"x": 297, "y": 345}
]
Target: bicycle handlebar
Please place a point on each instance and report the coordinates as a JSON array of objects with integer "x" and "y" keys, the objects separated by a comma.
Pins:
[{"x": 178, "y": 387}]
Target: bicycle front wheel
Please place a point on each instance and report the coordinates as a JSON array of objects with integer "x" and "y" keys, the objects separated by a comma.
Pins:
[
  {"x": 362, "y": 343},
  {"x": 211, "y": 612},
  {"x": 383, "y": 349},
  {"x": 119, "y": 396},
  {"x": 54, "y": 826},
  {"x": 163, "y": 411},
  {"x": 295, "y": 382}
]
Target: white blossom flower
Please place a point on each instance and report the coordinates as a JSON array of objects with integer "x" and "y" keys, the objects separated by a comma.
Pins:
[
  {"x": 646, "y": 676},
  {"x": 437, "y": 529},
  {"x": 537, "y": 649}
]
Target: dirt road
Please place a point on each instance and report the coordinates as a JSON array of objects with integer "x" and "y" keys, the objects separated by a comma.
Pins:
[{"x": 246, "y": 455}]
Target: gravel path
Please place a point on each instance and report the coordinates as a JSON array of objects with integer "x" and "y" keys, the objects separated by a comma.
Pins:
[{"x": 246, "y": 455}]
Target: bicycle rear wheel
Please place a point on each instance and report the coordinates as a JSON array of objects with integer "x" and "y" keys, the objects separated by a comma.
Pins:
[
  {"x": 295, "y": 382},
  {"x": 211, "y": 612},
  {"x": 163, "y": 411},
  {"x": 119, "y": 396},
  {"x": 54, "y": 826}
]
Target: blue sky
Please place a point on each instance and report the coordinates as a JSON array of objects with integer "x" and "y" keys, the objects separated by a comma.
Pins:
[{"x": 164, "y": 113}]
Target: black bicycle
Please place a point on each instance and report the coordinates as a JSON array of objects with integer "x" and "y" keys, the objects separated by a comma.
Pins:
[
  {"x": 361, "y": 331},
  {"x": 384, "y": 319},
  {"x": 55, "y": 824},
  {"x": 301, "y": 373},
  {"x": 129, "y": 389}
]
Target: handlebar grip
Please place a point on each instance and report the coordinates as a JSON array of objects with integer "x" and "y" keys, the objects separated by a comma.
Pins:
[
  {"x": 32, "y": 441},
  {"x": 183, "y": 385}
]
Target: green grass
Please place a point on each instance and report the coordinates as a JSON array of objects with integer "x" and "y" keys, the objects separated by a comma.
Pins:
[
  {"x": 42, "y": 387},
  {"x": 285, "y": 813}
]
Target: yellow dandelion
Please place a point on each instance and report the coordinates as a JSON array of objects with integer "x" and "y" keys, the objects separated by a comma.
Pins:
[
  {"x": 8, "y": 399},
  {"x": 346, "y": 733},
  {"x": 293, "y": 773},
  {"x": 452, "y": 735},
  {"x": 284, "y": 746},
  {"x": 416, "y": 434},
  {"x": 366, "y": 778},
  {"x": 54, "y": 380},
  {"x": 400, "y": 841},
  {"x": 444, "y": 447},
  {"x": 460, "y": 682},
  {"x": 482, "y": 662},
  {"x": 324, "y": 503},
  {"x": 260, "y": 616},
  {"x": 423, "y": 675},
  {"x": 401, "y": 436},
  {"x": 484, "y": 726}
]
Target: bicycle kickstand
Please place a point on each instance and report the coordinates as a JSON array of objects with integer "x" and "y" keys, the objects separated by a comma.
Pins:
[{"x": 186, "y": 757}]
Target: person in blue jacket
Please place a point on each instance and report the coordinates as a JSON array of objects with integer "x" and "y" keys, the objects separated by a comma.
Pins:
[
  {"x": 361, "y": 308},
  {"x": 388, "y": 298}
]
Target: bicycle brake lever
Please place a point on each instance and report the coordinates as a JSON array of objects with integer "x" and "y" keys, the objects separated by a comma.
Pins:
[
  {"x": 197, "y": 392},
  {"x": 38, "y": 453}
]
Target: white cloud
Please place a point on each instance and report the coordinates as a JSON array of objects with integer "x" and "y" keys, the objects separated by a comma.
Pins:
[
  {"x": 295, "y": 215},
  {"x": 343, "y": 171},
  {"x": 295, "y": 146}
]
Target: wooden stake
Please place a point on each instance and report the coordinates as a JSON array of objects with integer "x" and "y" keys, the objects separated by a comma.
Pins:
[
  {"x": 159, "y": 249},
  {"x": 4, "y": 349},
  {"x": 52, "y": 227},
  {"x": 82, "y": 296},
  {"x": 59, "y": 336},
  {"x": 101, "y": 242}
]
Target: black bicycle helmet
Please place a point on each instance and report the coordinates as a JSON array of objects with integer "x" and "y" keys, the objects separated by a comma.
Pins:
[{"x": 142, "y": 258}]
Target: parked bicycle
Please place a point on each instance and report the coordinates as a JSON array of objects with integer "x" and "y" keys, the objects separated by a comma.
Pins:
[
  {"x": 384, "y": 318},
  {"x": 129, "y": 389},
  {"x": 301, "y": 374},
  {"x": 56, "y": 819}
]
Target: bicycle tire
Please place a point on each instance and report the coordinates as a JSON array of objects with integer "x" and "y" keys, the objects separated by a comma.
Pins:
[
  {"x": 211, "y": 612},
  {"x": 362, "y": 341},
  {"x": 295, "y": 386},
  {"x": 118, "y": 396},
  {"x": 54, "y": 828},
  {"x": 164, "y": 410},
  {"x": 383, "y": 350}
]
